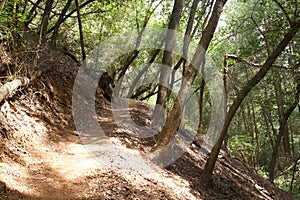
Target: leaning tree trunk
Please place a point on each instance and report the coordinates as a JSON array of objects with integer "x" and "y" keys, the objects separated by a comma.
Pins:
[
  {"x": 142, "y": 72},
  {"x": 210, "y": 164},
  {"x": 164, "y": 80},
  {"x": 130, "y": 59},
  {"x": 173, "y": 121},
  {"x": 294, "y": 172},
  {"x": 30, "y": 15},
  {"x": 10, "y": 87}
]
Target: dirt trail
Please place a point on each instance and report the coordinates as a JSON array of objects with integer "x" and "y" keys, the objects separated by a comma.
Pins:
[{"x": 61, "y": 167}]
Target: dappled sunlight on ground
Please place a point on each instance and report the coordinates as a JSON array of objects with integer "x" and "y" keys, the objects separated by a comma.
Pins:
[{"x": 62, "y": 168}]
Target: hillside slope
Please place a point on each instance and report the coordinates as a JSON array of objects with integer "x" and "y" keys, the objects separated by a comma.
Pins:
[{"x": 42, "y": 156}]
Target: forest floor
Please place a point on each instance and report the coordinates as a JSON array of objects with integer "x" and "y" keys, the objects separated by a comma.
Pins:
[{"x": 43, "y": 157}]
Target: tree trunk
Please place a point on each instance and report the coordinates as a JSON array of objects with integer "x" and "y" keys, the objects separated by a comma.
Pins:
[
  {"x": 268, "y": 126},
  {"x": 59, "y": 22},
  {"x": 280, "y": 105},
  {"x": 159, "y": 113},
  {"x": 225, "y": 75},
  {"x": 10, "y": 87},
  {"x": 139, "y": 76},
  {"x": 128, "y": 62},
  {"x": 45, "y": 19},
  {"x": 30, "y": 15},
  {"x": 210, "y": 164},
  {"x": 70, "y": 14},
  {"x": 246, "y": 122},
  {"x": 282, "y": 128},
  {"x": 251, "y": 131},
  {"x": 188, "y": 33},
  {"x": 174, "y": 118},
  {"x": 256, "y": 136},
  {"x": 136, "y": 52},
  {"x": 286, "y": 142},
  {"x": 80, "y": 31},
  {"x": 269, "y": 118},
  {"x": 294, "y": 172},
  {"x": 201, "y": 100}
]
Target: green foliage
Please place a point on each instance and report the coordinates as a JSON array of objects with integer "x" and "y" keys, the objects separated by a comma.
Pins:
[
  {"x": 11, "y": 19},
  {"x": 284, "y": 182},
  {"x": 242, "y": 144},
  {"x": 251, "y": 30}
]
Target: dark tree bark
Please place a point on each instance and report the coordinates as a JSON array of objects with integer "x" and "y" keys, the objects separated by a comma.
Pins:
[
  {"x": 210, "y": 164},
  {"x": 141, "y": 90},
  {"x": 280, "y": 106},
  {"x": 286, "y": 142},
  {"x": 173, "y": 121},
  {"x": 294, "y": 172},
  {"x": 128, "y": 62},
  {"x": 59, "y": 22},
  {"x": 201, "y": 100},
  {"x": 142, "y": 72},
  {"x": 269, "y": 125},
  {"x": 136, "y": 52},
  {"x": 150, "y": 94},
  {"x": 70, "y": 14},
  {"x": 30, "y": 15},
  {"x": 256, "y": 136},
  {"x": 188, "y": 35},
  {"x": 159, "y": 113},
  {"x": 188, "y": 32},
  {"x": 282, "y": 128},
  {"x": 45, "y": 19},
  {"x": 225, "y": 74},
  {"x": 80, "y": 31}
]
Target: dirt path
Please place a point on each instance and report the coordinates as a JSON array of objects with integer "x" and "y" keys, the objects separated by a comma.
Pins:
[
  {"x": 66, "y": 169},
  {"x": 43, "y": 162},
  {"x": 67, "y": 173}
]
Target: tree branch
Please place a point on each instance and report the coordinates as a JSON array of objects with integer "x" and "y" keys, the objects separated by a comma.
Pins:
[
  {"x": 71, "y": 13},
  {"x": 245, "y": 61},
  {"x": 283, "y": 10}
]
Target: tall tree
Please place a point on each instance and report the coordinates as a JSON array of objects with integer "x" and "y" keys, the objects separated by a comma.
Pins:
[
  {"x": 130, "y": 59},
  {"x": 284, "y": 116},
  {"x": 165, "y": 71},
  {"x": 209, "y": 166},
  {"x": 80, "y": 31},
  {"x": 173, "y": 121}
]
